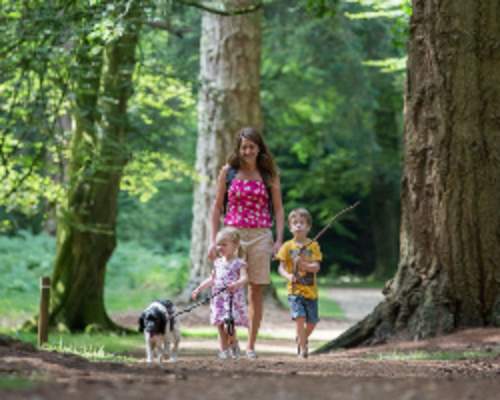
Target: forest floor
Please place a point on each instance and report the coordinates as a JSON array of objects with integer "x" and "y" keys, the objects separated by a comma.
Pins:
[{"x": 465, "y": 365}]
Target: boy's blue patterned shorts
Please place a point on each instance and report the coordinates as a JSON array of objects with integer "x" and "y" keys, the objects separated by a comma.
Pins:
[{"x": 302, "y": 307}]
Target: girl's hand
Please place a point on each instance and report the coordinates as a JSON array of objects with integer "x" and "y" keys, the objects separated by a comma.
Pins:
[
  {"x": 194, "y": 294},
  {"x": 292, "y": 278},
  {"x": 212, "y": 252},
  {"x": 233, "y": 287}
]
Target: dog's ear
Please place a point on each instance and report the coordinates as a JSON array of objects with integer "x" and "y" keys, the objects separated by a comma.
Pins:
[
  {"x": 169, "y": 306},
  {"x": 141, "y": 323}
]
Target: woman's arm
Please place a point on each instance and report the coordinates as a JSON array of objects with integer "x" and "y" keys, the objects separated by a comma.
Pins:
[
  {"x": 217, "y": 207},
  {"x": 279, "y": 214}
]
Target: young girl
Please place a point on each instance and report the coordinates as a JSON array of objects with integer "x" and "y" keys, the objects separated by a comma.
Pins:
[{"x": 229, "y": 271}]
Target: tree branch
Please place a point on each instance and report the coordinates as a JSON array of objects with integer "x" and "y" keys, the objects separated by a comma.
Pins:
[
  {"x": 239, "y": 11},
  {"x": 165, "y": 26}
]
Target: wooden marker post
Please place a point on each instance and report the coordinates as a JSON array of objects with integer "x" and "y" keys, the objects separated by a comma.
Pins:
[{"x": 43, "y": 316}]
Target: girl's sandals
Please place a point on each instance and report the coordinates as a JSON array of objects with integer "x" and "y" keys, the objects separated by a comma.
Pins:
[{"x": 251, "y": 354}]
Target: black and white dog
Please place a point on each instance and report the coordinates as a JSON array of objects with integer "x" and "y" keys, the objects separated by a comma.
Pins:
[{"x": 160, "y": 329}]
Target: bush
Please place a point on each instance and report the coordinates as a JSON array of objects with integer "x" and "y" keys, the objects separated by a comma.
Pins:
[{"x": 135, "y": 273}]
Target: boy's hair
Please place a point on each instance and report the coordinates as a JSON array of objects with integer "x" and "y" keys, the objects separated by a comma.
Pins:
[
  {"x": 229, "y": 233},
  {"x": 300, "y": 212}
]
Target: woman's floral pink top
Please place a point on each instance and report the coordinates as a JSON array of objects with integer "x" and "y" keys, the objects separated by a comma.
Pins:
[{"x": 248, "y": 205}]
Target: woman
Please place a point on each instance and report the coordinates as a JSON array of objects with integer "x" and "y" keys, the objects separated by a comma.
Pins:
[{"x": 248, "y": 193}]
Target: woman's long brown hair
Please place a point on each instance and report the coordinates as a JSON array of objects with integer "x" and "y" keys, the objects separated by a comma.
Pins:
[{"x": 265, "y": 161}]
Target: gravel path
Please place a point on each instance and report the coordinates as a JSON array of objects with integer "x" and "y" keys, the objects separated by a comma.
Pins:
[{"x": 356, "y": 303}]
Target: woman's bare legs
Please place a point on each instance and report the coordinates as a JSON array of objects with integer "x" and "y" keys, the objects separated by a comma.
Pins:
[{"x": 255, "y": 310}]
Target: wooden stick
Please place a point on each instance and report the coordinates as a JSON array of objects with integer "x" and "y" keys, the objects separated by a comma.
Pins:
[{"x": 43, "y": 317}]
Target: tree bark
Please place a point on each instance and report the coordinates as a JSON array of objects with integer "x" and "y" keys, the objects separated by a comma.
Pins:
[
  {"x": 448, "y": 275},
  {"x": 229, "y": 99},
  {"x": 86, "y": 230}
]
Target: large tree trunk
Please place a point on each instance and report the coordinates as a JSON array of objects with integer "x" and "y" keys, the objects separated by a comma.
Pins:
[
  {"x": 448, "y": 275},
  {"x": 86, "y": 231},
  {"x": 229, "y": 99}
]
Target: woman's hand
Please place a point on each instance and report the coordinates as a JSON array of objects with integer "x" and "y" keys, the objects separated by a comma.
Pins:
[
  {"x": 212, "y": 252},
  {"x": 277, "y": 246}
]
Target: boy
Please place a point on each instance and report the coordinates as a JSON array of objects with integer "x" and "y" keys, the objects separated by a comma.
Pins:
[{"x": 299, "y": 264}]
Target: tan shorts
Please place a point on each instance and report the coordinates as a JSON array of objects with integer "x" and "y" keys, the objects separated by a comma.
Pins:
[{"x": 257, "y": 244}]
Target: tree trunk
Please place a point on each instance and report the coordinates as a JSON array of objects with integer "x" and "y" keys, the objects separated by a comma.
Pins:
[
  {"x": 86, "y": 231},
  {"x": 229, "y": 99},
  {"x": 448, "y": 275}
]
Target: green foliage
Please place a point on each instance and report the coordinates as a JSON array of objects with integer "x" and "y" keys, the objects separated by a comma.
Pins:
[
  {"x": 155, "y": 203},
  {"x": 323, "y": 118},
  {"x": 52, "y": 48},
  {"x": 147, "y": 169},
  {"x": 135, "y": 276}
]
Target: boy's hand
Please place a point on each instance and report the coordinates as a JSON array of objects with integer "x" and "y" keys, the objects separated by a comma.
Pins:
[
  {"x": 302, "y": 264},
  {"x": 292, "y": 278}
]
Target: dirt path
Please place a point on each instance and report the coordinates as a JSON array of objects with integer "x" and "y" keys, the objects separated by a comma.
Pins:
[
  {"x": 356, "y": 303},
  {"x": 277, "y": 373},
  {"x": 344, "y": 375}
]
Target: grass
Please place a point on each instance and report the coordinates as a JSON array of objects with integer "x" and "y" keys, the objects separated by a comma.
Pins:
[
  {"x": 13, "y": 382},
  {"x": 95, "y": 346},
  {"x": 111, "y": 347},
  {"x": 422, "y": 355}
]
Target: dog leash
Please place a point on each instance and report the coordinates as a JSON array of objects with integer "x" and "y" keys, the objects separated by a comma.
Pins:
[
  {"x": 198, "y": 303},
  {"x": 229, "y": 321}
]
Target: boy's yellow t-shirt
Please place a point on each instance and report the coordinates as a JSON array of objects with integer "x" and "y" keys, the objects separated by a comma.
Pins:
[{"x": 306, "y": 287}]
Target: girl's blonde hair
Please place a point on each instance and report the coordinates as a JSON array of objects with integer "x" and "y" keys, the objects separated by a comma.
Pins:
[{"x": 231, "y": 234}]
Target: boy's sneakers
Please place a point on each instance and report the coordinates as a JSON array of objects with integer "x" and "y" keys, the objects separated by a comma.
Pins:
[{"x": 304, "y": 353}]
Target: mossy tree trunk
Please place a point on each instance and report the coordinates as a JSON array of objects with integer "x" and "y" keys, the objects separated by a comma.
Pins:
[
  {"x": 229, "y": 99},
  {"x": 448, "y": 275},
  {"x": 86, "y": 234}
]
